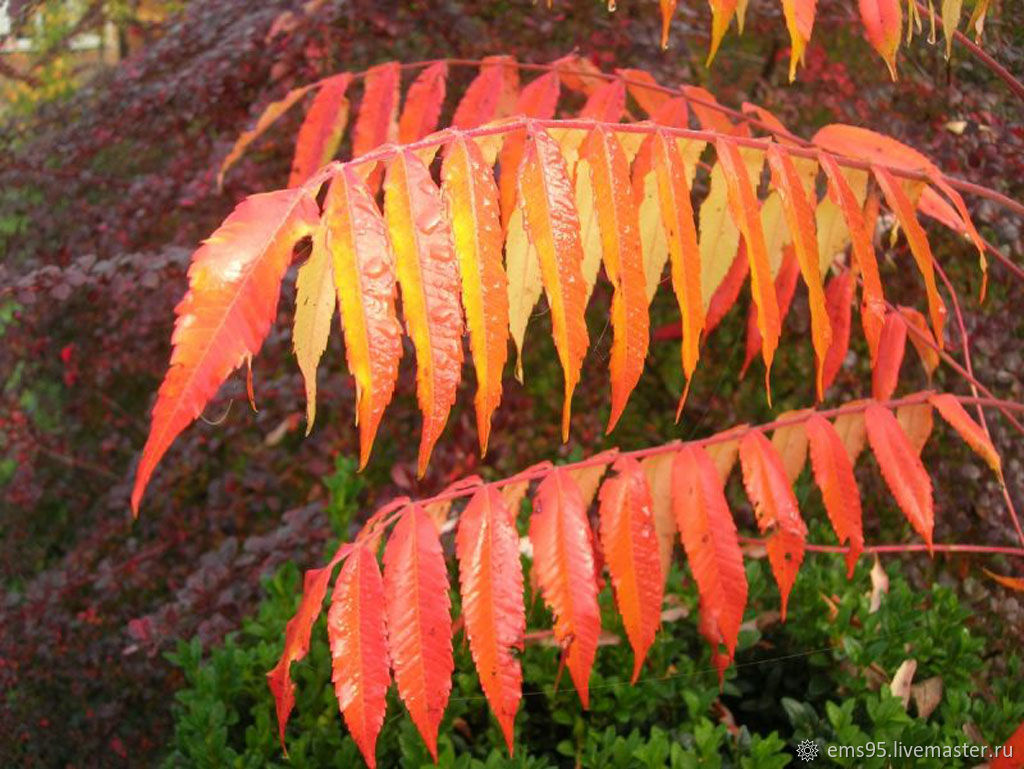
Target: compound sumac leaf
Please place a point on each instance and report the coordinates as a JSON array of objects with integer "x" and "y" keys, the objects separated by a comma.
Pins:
[
  {"x": 629, "y": 542},
  {"x": 419, "y": 620},
  {"x": 491, "y": 586},
  {"x": 234, "y": 285},
  {"x": 563, "y": 566},
  {"x": 764, "y": 478},
  {"x": 359, "y": 655}
]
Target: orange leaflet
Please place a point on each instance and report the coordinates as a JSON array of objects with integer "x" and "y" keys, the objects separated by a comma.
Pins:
[
  {"x": 681, "y": 234},
  {"x": 419, "y": 620},
  {"x": 491, "y": 94},
  {"x": 1012, "y": 750},
  {"x": 359, "y": 655},
  {"x": 296, "y": 638},
  {"x": 423, "y": 103},
  {"x": 554, "y": 230},
  {"x": 746, "y": 214},
  {"x": 377, "y": 123},
  {"x": 623, "y": 263},
  {"x": 563, "y": 566},
  {"x": 645, "y": 90},
  {"x": 491, "y": 586},
  {"x": 728, "y": 291},
  {"x": 883, "y": 24},
  {"x": 710, "y": 114},
  {"x": 904, "y": 210},
  {"x": 429, "y": 278},
  {"x": 630, "y": 545},
  {"x": 833, "y": 472},
  {"x": 799, "y": 16},
  {"x": 765, "y": 480},
  {"x": 722, "y": 12},
  {"x": 668, "y": 8},
  {"x": 886, "y": 373},
  {"x": 538, "y": 99},
  {"x": 321, "y": 131},
  {"x": 709, "y": 537},
  {"x": 579, "y": 74},
  {"x": 951, "y": 410},
  {"x": 873, "y": 302},
  {"x": 785, "y": 287},
  {"x": 607, "y": 103},
  {"x": 800, "y": 220},
  {"x": 472, "y": 200},
  {"x": 920, "y": 336},
  {"x": 838, "y": 298},
  {"x": 364, "y": 276},
  {"x": 273, "y": 111},
  {"x": 902, "y": 469},
  {"x": 673, "y": 113},
  {"x": 234, "y": 284}
]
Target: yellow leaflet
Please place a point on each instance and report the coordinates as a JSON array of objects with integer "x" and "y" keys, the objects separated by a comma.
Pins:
[
  {"x": 490, "y": 146},
  {"x": 314, "y": 311},
  {"x": 590, "y": 233},
  {"x": 776, "y": 231},
  {"x": 653, "y": 244},
  {"x": 950, "y": 20},
  {"x": 652, "y": 234},
  {"x": 719, "y": 236},
  {"x": 524, "y": 282},
  {"x": 833, "y": 234}
]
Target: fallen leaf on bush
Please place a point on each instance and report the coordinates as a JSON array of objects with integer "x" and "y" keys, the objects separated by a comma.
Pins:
[
  {"x": 879, "y": 585},
  {"x": 927, "y": 695},
  {"x": 900, "y": 685}
]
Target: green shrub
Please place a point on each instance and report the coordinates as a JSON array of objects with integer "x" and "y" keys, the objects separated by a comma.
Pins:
[{"x": 823, "y": 676}]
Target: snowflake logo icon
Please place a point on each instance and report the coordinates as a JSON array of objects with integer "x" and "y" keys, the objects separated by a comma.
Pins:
[{"x": 807, "y": 750}]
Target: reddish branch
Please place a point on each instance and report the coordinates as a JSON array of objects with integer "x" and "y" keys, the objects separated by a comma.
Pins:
[
  {"x": 386, "y": 515},
  {"x": 809, "y": 149}
]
